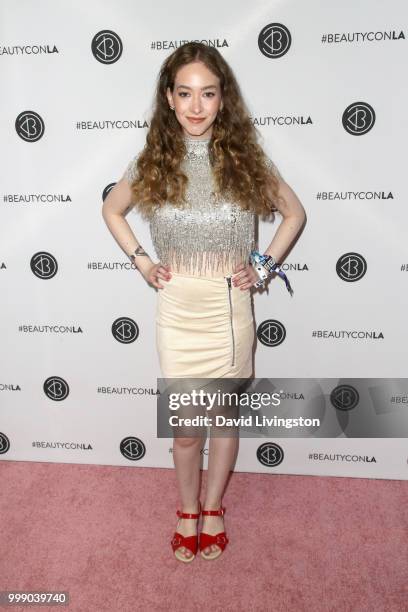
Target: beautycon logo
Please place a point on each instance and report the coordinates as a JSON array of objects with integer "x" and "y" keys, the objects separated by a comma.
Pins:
[
  {"x": 56, "y": 388},
  {"x": 270, "y": 454},
  {"x": 125, "y": 330},
  {"x": 43, "y": 265},
  {"x": 351, "y": 267},
  {"x": 271, "y": 332},
  {"x": 132, "y": 448},
  {"x": 4, "y": 443},
  {"x": 358, "y": 118},
  {"x": 344, "y": 397},
  {"x": 274, "y": 40},
  {"x": 107, "y": 47},
  {"x": 30, "y": 126},
  {"x": 39, "y": 49},
  {"x": 107, "y": 191}
]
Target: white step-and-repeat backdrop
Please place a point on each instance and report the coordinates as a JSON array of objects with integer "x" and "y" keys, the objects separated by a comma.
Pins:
[{"x": 326, "y": 86}]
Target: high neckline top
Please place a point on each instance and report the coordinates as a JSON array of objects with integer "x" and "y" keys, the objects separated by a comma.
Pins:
[
  {"x": 211, "y": 234},
  {"x": 191, "y": 139},
  {"x": 196, "y": 148}
]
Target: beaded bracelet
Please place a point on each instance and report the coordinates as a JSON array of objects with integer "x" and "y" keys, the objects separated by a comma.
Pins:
[{"x": 264, "y": 265}]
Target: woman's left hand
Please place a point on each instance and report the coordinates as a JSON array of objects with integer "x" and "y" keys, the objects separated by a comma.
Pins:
[{"x": 245, "y": 276}]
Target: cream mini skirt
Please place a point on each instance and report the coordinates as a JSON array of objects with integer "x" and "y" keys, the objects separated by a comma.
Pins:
[{"x": 204, "y": 328}]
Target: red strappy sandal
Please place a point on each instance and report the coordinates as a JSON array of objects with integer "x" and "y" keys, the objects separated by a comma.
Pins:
[
  {"x": 190, "y": 542},
  {"x": 220, "y": 539}
]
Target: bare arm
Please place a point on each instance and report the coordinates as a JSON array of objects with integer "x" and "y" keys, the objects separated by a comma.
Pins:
[
  {"x": 294, "y": 217},
  {"x": 116, "y": 206}
]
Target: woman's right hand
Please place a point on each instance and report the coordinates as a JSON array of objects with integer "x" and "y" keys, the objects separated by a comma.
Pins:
[{"x": 156, "y": 272}]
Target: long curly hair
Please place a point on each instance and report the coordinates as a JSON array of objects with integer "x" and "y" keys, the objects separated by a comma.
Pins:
[{"x": 240, "y": 167}]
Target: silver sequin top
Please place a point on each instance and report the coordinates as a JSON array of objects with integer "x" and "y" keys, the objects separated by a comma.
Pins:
[{"x": 211, "y": 235}]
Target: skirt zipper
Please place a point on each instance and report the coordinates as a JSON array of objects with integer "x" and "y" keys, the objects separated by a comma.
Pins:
[{"x": 231, "y": 324}]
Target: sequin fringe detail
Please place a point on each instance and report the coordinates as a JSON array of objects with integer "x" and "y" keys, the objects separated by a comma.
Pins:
[
  {"x": 209, "y": 233},
  {"x": 206, "y": 263}
]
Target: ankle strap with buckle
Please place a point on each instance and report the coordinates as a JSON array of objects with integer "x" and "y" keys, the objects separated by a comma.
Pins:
[
  {"x": 190, "y": 515},
  {"x": 219, "y": 512}
]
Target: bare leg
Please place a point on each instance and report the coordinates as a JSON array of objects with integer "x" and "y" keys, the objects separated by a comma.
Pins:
[
  {"x": 222, "y": 455},
  {"x": 187, "y": 461}
]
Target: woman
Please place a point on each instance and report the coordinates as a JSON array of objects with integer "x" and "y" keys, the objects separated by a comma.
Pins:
[{"x": 201, "y": 180}]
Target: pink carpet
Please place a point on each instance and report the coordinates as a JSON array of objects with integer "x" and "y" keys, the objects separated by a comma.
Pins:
[{"x": 296, "y": 543}]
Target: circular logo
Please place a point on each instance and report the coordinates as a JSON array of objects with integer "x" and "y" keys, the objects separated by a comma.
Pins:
[
  {"x": 274, "y": 40},
  {"x": 351, "y": 267},
  {"x": 29, "y": 126},
  {"x": 132, "y": 448},
  {"x": 271, "y": 332},
  {"x": 107, "y": 191},
  {"x": 4, "y": 443},
  {"x": 125, "y": 330},
  {"x": 43, "y": 265},
  {"x": 56, "y": 388},
  {"x": 270, "y": 454},
  {"x": 107, "y": 47},
  {"x": 358, "y": 118},
  {"x": 344, "y": 397}
]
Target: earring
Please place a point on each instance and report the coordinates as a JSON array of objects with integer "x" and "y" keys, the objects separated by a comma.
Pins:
[{"x": 172, "y": 107}]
